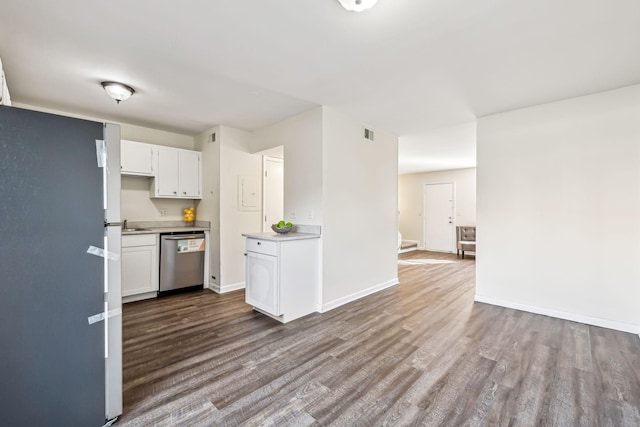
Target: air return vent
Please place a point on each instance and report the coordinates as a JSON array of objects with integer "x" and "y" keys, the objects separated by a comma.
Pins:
[
  {"x": 212, "y": 137},
  {"x": 368, "y": 134}
]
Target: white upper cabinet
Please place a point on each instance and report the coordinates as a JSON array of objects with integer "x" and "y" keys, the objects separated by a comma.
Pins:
[
  {"x": 166, "y": 182},
  {"x": 136, "y": 158},
  {"x": 189, "y": 167},
  {"x": 178, "y": 174}
]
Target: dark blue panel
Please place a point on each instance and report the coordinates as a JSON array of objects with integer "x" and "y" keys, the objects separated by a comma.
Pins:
[{"x": 51, "y": 359}]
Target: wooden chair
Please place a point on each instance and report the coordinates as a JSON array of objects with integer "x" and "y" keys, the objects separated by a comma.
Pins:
[{"x": 466, "y": 239}]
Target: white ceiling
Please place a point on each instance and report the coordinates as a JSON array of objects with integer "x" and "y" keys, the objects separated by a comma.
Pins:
[{"x": 409, "y": 67}]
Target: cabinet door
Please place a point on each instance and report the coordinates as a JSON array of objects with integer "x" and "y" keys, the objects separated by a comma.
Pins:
[
  {"x": 136, "y": 158},
  {"x": 139, "y": 270},
  {"x": 262, "y": 286},
  {"x": 167, "y": 178},
  {"x": 190, "y": 174}
]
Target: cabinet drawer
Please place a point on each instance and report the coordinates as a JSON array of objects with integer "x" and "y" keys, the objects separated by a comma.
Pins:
[
  {"x": 138, "y": 240},
  {"x": 262, "y": 246}
]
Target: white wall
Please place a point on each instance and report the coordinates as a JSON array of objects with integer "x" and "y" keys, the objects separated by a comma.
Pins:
[
  {"x": 236, "y": 160},
  {"x": 333, "y": 178},
  {"x": 208, "y": 208},
  {"x": 411, "y": 199},
  {"x": 136, "y": 205},
  {"x": 443, "y": 148},
  {"x": 559, "y": 209},
  {"x": 301, "y": 137},
  {"x": 223, "y": 161},
  {"x": 360, "y": 188}
]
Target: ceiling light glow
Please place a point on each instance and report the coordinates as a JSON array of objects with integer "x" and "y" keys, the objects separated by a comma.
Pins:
[
  {"x": 118, "y": 91},
  {"x": 357, "y": 5}
]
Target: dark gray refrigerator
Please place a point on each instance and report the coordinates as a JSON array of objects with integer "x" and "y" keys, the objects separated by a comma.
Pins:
[{"x": 60, "y": 303}]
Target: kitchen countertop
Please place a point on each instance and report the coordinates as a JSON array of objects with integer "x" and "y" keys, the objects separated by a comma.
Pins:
[
  {"x": 153, "y": 230},
  {"x": 281, "y": 237},
  {"x": 154, "y": 227}
]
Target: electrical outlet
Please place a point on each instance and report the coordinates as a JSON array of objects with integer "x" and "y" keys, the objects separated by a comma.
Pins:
[{"x": 163, "y": 212}]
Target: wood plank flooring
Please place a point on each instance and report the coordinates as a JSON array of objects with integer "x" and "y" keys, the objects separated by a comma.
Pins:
[{"x": 420, "y": 353}]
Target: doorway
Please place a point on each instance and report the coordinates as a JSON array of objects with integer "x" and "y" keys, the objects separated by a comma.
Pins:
[
  {"x": 439, "y": 229},
  {"x": 273, "y": 191}
]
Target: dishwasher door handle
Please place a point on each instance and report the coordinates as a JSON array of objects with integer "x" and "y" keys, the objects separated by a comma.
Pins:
[{"x": 188, "y": 236}]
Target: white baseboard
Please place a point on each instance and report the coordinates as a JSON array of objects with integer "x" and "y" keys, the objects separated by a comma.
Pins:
[
  {"x": 595, "y": 321},
  {"x": 139, "y": 297},
  {"x": 355, "y": 296},
  {"x": 226, "y": 288}
]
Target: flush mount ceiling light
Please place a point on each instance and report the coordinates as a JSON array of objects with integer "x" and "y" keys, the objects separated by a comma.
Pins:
[
  {"x": 118, "y": 91},
  {"x": 357, "y": 5}
]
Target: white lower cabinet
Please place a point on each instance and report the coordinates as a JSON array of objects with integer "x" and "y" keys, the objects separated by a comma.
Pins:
[
  {"x": 262, "y": 275},
  {"x": 283, "y": 277},
  {"x": 139, "y": 267}
]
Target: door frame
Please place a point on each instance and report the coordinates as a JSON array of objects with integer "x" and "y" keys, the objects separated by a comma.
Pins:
[
  {"x": 265, "y": 159},
  {"x": 453, "y": 213}
]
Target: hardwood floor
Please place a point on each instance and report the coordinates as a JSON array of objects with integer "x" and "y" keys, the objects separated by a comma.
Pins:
[{"x": 420, "y": 353}]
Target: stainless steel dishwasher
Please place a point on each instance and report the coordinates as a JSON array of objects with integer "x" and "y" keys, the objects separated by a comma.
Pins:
[{"x": 181, "y": 260}]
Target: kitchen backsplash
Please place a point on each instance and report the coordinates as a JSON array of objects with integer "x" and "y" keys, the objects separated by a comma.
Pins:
[{"x": 136, "y": 205}]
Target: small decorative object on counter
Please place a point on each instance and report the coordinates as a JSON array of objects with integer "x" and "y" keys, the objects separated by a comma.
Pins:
[
  {"x": 282, "y": 227},
  {"x": 189, "y": 216}
]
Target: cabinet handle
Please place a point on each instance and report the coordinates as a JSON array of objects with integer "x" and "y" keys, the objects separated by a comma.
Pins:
[
  {"x": 184, "y": 192},
  {"x": 245, "y": 254},
  {"x": 175, "y": 192},
  {"x": 259, "y": 243}
]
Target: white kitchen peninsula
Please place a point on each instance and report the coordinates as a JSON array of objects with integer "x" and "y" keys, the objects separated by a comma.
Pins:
[{"x": 283, "y": 274}]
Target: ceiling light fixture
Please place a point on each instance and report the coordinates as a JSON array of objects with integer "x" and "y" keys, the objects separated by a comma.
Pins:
[
  {"x": 357, "y": 5},
  {"x": 118, "y": 91}
]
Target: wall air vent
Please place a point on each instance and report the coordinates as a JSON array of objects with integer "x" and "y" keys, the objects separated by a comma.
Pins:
[
  {"x": 212, "y": 137},
  {"x": 368, "y": 134}
]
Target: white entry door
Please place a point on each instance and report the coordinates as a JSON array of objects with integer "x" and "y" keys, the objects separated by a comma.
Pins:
[
  {"x": 273, "y": 190},
  {"x": 439, "y": 231}
]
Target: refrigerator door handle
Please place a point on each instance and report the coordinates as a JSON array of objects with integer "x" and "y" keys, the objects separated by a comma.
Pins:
[{"x": 112, "y": 224}]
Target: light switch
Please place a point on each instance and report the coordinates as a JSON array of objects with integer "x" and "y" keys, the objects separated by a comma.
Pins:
[
  {"x": 310, "y": 214},
  {"x": 292, "y": 214}
]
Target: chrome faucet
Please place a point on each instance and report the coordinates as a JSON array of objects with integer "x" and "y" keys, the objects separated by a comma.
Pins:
[{"x": 124, "y": 225}]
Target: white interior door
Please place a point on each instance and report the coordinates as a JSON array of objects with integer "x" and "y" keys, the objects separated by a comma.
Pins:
[
  {"x": 273, "y": 191},
  {"x": 438, "y": 217}
]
